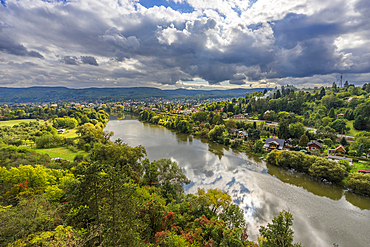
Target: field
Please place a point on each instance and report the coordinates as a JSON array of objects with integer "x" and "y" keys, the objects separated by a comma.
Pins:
[
  {"x": 14, "y": 122},
  {"x": 61, "y": 152},
  {"x": 360, "y": 165},
  {"x": 352, "y": 132},
  {"x": 70, "y": 134}
]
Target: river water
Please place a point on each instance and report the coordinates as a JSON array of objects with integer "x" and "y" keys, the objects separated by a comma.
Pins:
[{"x": 323, "y": 214}]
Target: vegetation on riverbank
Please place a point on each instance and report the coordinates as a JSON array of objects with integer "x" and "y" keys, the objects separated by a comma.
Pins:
[{"x": 81, "y": 199}]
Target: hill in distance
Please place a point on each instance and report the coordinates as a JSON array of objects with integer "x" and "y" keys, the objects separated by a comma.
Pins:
[{"x": 63, "y": 94}]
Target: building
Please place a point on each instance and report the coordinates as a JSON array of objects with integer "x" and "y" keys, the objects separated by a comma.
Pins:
[
  {"x": 61, "y": 131},
  {"x": 314, "y": 145},
  {"x": 242, "y": 134},
  {"x": 339, "y": 149},
  {"x": 272, "y": 144},
  {"x": 233, "y": 131}
]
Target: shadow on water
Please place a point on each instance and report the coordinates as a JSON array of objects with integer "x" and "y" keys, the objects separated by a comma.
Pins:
[
  {"x": 359, "y": 201},
  {"x": 122, "y": 116},
  {"x": 216, "y": 149},
  {"x": 331, "y": 191},
  {"x": 334, "y": 192},
  {"x": 182, "y": 138}
]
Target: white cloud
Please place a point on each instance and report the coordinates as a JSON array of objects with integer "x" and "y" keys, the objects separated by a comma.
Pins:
[{"x": 241, "y": 42}]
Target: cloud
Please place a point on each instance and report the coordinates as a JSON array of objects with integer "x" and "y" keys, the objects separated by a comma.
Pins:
[
  {"x": 8, "y": 45},
  {"x": 260, "y": 42},
  {"x": 89, "y": 60},
  {"x": 69, "y": 60}
]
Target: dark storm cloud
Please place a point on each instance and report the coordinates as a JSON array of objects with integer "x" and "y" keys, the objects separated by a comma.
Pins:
[
  {"x": 69, "y": 60},
  {"x": 164, "y": 46},
  {"x": 89, "y": 60},
  {"x": 11, "y": 47}
]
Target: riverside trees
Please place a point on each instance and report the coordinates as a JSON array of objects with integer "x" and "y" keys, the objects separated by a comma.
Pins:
[{"x": 114, "y": 197}]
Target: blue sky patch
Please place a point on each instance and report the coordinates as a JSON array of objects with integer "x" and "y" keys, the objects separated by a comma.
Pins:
[
  {"x": 3, "y": 2},
  {"x": 182, "y": 7}
]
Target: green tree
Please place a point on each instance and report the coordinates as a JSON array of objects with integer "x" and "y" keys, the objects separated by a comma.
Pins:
[
  {"x": 233, "y": 216},
  {"x": 283, "y": 131},
  {"x": 339, "y": 126},
  {"x": 360, "y": 123},
  {"x": 296, "y": 130},
  {"x": 170, "y": 178},
  {"x": 279, "y": 233},
  {"x": 303, "y": 140},
  {"x": 215, "y": 199},
  {"x": 322, "y": 92},
  {"x": 231, "y": 124},
  {"x": 329, "y": 170},
  {"x": 216, "y": 132},
  {"x": 331, "y": 113},
  {"x": 258, "y": 146},
  {"x": 343, "y": 141},
  {"x": 360, "y": 150},
  {"x": 359, "y": 183},
  {"x": 254, "y": 134}
]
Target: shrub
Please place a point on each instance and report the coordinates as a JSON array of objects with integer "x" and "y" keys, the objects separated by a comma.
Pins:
[
  {"x": 329, "y": 170},
  {"x": 359, "y": 183}
]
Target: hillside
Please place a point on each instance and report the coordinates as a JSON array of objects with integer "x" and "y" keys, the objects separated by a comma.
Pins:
[{"x": 58, "y": 94}]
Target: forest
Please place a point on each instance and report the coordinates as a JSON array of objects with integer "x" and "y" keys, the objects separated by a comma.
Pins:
[
  {"x": 332, "y": 116},
  {"x": 65, "y": 183},
  {"x": 84, "y": 201},
  {"x": 33, "y": 95}
]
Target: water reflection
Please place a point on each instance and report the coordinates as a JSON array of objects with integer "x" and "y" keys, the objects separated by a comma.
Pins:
[
  {"x": 322, "y": 215},
  {"x": 181, "y": 138},
  {"x": 333, "y": 192},
  {"x": 216, "y": 149},
  {"x": 362, "y": 202}
]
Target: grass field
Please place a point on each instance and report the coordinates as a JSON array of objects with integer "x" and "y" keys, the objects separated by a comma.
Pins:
[
  {"x": 352, "y": 132},
  {"x": 360, "y": 165},
  {"x": 61, "y": 152},
  {"x": 14, "y": 122},
  {"x": 70, "y": 134},
  {"x": 17, "y": 121}
]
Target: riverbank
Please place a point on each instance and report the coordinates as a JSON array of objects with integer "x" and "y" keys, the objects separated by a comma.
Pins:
[
  {"x": 331, "y": 214},
  {"x": 339, "y": 173}
]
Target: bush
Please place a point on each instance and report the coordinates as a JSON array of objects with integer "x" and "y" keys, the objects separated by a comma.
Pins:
[
  {"x": 49, "y": 141},
  {"x": 271, "y": 157},
  {"x": 359, "y": 183},
  {"x": 227, "y": 141},
  {"x": 87, "y": 147},
  {"x": 236, "y": 143},
  {"x": 329, "y": 170},
  {"x": 72, "y": 148}
]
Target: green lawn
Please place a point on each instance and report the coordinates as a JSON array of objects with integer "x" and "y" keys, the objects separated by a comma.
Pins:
[
  {"x": 70, "y": 134},
  {"x": 14, "y": 122},
  {"x": 360, "y": 165},
  {"x": 352, "y": 132},
  {"x": 61, "y": 152}
]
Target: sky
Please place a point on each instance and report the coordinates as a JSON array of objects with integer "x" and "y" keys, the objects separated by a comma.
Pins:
[{"x": 193, "y": 44}]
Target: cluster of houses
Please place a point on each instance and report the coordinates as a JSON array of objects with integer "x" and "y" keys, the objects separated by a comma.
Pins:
[
  {"x": 280, "y": 144},
  {"x": 272, "y": 143}
]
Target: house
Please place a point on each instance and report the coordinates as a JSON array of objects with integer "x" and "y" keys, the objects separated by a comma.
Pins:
[
  {"x": 61, "y": 131},
  {"x": 233, "y": 131},
  {"x": 314, "y": 145},
  {"x": 242, "y": 134},
  {"x": 272, "y": 143},
  {"x": 339, "y": 149},
  {"x": 338, "y": 158}
]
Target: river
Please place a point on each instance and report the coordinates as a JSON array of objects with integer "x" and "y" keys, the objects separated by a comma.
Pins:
[{"x": 323, "y": 214}]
